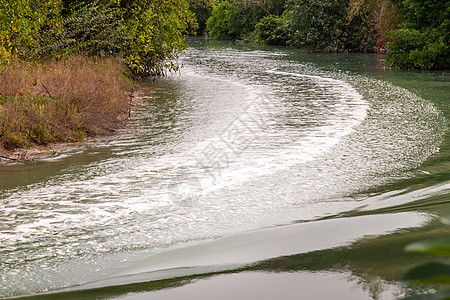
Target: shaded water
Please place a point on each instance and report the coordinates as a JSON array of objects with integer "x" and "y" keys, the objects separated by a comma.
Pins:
[{"x": 250, "y": 160}]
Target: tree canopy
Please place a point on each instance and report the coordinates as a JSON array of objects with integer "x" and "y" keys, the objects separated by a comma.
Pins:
[
  {"x": 414, "y": 32},
  {"x": 149, "y": 34}
]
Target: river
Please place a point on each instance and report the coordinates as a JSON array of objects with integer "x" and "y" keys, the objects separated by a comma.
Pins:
[{"x": 253, "y": 173}]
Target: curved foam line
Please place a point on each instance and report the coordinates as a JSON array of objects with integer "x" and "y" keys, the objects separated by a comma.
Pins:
[
  {"x": 305, "y": 75},
  {"x": 312, "y": 146}
]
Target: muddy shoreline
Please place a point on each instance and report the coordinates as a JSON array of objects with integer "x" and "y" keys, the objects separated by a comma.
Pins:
[{"x": 22, "y": 155}]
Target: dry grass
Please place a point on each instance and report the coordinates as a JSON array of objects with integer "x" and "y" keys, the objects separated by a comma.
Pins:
[{"x": 61, "y": 101}]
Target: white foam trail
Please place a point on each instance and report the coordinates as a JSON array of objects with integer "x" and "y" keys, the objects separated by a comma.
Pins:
[
  {"x": 320, "y": 78},
  {"x": 352, "y": 111}
]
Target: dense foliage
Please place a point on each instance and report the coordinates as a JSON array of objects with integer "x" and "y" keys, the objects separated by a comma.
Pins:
[
  {"x": 324, "y": 24},
  {"x": 89, "y": 29},
  {"x": 157, "y": 29},
  {"x": 312, "y": 24},
  {"x": 271, "y": 30},
  {"x": 202, "y": 10},
  {"x": 423, "y": 40},
  {"x": 149, "y": 34},
  {"x": 61, "y": 63},
  {"x": 417, "y": 30},
  {"x": 234, "y": 19},
  {"x": 21, "y": 21},
  {"x": 224, "y": 22}
]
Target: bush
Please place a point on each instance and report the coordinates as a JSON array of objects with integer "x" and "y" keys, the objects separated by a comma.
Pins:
[
  {"x": 412, "y": 49},
  {"x": 316, "y": 24},
  {"x": 271, "y": 30},
  {"x": 406, "y": 40},
  {"x": 20, "y": 21},
  {"x": 157, "y": 29},
  {"x": 90, "y": 29},
  {"x": 27, "y": 119},
  {"x": 422, "y": 43},
  {"x": 148, "y": 33},
  {"x": 326, "y": 25},
  {"x": 231, "y": 20}
]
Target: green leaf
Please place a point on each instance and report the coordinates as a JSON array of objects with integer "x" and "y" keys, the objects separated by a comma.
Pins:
[
  {"x": 439, "y": 247},
  {"x": 429, "y": 273}
]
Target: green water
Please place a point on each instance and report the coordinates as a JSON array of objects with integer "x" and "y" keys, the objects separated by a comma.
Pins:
[{"x": 255, "y": 173}]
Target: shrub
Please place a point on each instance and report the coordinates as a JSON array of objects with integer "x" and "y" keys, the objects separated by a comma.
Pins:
[
  {"x": 422, "y": 43},
  {"x": 412, "y": 49},
  {"x": 157, "y": 28},
  {"x": 406, "y": 40},
  {"x": 20, "y": 21},
  {"x": 28, "y": 119},
  {"x": 231, "y": 20},
  {"x": 90, "y": 29},
  {"x": 327, "y": 25},
  {"x": 271, "y": 30},
  {"x": 224, "y": 21},
  {"x": 316, "y": 24}
]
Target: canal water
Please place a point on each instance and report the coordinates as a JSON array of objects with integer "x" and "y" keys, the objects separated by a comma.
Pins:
[{"x": 253, "y": 173}]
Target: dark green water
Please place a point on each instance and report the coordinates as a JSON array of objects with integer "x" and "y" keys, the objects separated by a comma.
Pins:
[{"x": 255, "y": 173}]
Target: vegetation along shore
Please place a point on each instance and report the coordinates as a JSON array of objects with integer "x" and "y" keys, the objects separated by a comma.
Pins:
[{"x": 67, "y": 67}]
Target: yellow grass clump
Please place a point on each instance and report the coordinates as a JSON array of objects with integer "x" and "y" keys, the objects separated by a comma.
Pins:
[{"x": 61, "y": 101}]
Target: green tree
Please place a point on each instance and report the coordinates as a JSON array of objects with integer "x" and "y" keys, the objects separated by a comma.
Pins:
[
  {"x": 157, "y": 28},
  {"x": 224, "y": 21},
  {"x": 235, "y": 19},
  {"x": 423, "y": 40},
  {"x": 271, "y": 30},
  {"x": 90, "y": 29},
  {"x": 424, "y": 14},
  {"x": 21, "y": 21},
  {"x": 202, "y": 9},
  {"x": 316, "y": 24},
  {"x": 149, "y": 34}
]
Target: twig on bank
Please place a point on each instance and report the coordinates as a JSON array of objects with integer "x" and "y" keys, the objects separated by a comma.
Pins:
[
  {"x": 47, "y": 90},
  {"x": 14, "y": 159},
  {"x": 131, "y": 103},
  {"x": 9, "y": 158}
]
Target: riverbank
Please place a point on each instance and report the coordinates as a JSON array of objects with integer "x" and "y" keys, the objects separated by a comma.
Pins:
[
  {"x": 61, "y": 101},
  {"x": 21, "y": 155}
]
